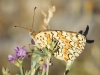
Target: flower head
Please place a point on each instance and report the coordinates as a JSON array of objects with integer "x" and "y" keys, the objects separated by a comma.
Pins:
[
  {"x": 20, "y": 53},
  {"x": 18, "y": 56},
  {"x": 11, "y": 58},
  {"x": 50, "y": 63},
  {"x": 45, "y": 65}
]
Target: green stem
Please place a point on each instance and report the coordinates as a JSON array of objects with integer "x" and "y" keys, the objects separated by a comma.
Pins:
[
  {"x": 22, "y": 70},
  {"x": 33, "y": 64},
  {"x": 48, "y": 60},
  {"x": 43, "y": 72}
]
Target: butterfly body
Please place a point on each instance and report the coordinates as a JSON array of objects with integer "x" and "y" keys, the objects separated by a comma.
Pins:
[{"x": 69, "y": 46}]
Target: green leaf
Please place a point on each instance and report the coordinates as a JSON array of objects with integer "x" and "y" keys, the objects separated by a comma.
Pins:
[
  {"x": 28, "y": 73},
  {"x": 45, "y": 51},
  {"x": 5, "y": 71},
  {"x": 38, "y": 52}
]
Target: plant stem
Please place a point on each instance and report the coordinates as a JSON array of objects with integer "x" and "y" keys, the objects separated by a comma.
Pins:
[
  {"x": 21, "y": 70},
  {"x": 33, "y": 64},
  {"x": 43, "y": 72},
  {"x": 48, "y": 60}
]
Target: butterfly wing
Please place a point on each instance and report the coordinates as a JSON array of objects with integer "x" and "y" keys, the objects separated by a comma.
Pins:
[{"x": 69, "y": 46}]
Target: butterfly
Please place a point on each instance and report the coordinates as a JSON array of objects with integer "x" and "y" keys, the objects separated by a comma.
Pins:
[{"x": 68, "y": 46}]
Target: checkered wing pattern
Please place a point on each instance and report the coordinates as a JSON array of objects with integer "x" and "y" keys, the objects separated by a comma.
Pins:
[{"x": 69, "y": 46}]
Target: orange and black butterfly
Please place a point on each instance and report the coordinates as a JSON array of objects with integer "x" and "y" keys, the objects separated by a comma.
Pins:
[{"x": 68, "y": 46}]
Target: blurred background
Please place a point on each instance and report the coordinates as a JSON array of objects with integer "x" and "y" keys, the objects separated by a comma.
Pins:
[{"x": 70, "y": 15}]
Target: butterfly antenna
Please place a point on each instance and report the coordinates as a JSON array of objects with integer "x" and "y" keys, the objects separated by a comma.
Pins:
[
  {"x": 22, "y": 27},
  {"x": 86, "y": 31},
  {"x": 33, "y": 17}
]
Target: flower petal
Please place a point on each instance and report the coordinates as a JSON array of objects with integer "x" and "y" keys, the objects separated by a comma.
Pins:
[
  {"x": 50, "y": 63},
  {"x": 21, "y": 53},
  {"x": 11, "y": 58},
  {"x": 44, "y": 66},
  {"x": 17, "y": 48}
]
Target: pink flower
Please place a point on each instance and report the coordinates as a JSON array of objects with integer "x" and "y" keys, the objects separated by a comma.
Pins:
[{"x": 20, "y": 54}]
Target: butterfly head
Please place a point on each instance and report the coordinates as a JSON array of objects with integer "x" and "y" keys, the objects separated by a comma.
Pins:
[{"x": 32, "y": 33}]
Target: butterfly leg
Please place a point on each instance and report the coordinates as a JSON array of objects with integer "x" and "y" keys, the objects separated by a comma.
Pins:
[{"x": 31, "y": 45}]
